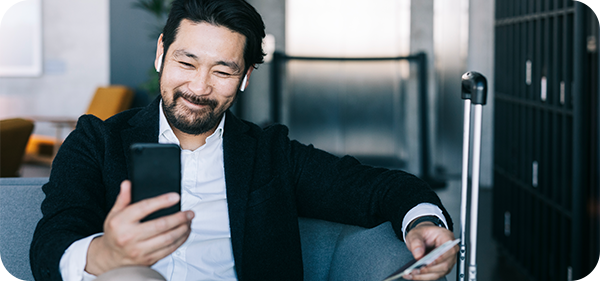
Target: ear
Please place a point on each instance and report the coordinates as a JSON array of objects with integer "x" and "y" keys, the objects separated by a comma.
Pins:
[
  {"x": 159, "y": 54},
  {"x": 246, "y": 79}
]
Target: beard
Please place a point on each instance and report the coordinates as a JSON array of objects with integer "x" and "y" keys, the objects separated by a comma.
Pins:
[{"x": 190, "y": 121}]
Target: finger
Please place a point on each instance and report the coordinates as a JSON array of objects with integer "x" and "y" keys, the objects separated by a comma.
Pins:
[
  {"x": 164, "y": 224},
  {"x": 166, "y": 243},
  {"x": 124, "y": 197},
  {"x": 425, "y": 276},
  {"x": 164, "y": 252},
  {"x": 416, "y": 245},
  {"x": 435, "y": 236},
  {"x": 174, "y": 238},
  {"x": 449, "y": 256},
  {"x": 139, "y": 243},
  {"x": 143, "y": 208},
  {"x": 441, "y": 268}
]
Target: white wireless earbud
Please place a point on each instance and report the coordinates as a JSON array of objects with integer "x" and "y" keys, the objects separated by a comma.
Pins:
[
  {"x": 243, "y": 86},
  {"x": 159, "y": 63}
]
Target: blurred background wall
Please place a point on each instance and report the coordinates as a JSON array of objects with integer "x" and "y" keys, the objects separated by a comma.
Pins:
[
  {"x": 90, "y": 44},
  {"x": 75, "y": 55},
  {"x": 449, "y": 32}
]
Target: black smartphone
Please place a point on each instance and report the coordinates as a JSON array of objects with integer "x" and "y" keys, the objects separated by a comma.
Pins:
[{"x": 155, "y": 170}]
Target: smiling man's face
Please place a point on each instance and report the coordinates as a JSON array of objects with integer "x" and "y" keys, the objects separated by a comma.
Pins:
[{"x": 202, "y": 72}]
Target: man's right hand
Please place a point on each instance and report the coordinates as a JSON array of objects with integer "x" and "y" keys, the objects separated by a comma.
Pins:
[{"x": 127, "y": 241}]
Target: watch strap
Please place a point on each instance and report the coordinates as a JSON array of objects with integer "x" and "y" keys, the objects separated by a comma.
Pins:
[{"x": 435, "y": 220}]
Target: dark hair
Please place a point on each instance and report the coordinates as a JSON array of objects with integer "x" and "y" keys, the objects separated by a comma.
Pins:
[{"x": 236, "y": 15}]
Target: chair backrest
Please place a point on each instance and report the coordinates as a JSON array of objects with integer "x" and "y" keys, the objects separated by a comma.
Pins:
[
  {"x": 14, "y": 134},
  {"x": 110, "y": 100}
]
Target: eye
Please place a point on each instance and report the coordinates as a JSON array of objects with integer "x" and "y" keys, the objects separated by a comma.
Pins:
[
  {"x": 185, "y": 64},
  {"x": 223, "y": 73}
]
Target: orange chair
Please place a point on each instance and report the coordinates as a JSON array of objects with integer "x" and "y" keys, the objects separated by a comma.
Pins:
[
  {"x": 14, "y": 134},
  {"x": 107, "y": 101}
]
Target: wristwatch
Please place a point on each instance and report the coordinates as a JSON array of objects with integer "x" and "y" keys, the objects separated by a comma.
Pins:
[{"x": 435, "y": 220}]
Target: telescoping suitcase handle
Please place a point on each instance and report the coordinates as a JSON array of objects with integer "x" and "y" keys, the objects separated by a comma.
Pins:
[
  {"x": 474, "y": 87},
  {"x": 474, "y": 92}
]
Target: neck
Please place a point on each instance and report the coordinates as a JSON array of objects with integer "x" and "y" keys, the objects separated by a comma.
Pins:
[{"x": 192, "y": 142}]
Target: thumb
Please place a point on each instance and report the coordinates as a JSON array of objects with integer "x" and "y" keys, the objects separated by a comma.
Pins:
[
  {"x": 124, "y": 197},
  {"x": 416, "y": 245}
]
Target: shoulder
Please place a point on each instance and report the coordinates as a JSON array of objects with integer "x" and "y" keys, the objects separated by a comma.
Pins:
[
  {"x": 118, "y": 121},
  {"x": 274, "y": 136},
  {"x": 235, "y": 125},
  {"x": 93, "y": 134},
  {"x": 271, "y": 131}
]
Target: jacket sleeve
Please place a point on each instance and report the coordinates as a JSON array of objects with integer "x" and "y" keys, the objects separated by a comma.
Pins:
[
  {"x": 343, "y": 190},
  {"x": 71, "y": 209}
]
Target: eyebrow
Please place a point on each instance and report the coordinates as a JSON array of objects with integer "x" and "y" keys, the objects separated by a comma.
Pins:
[{"x": 229, "y": 64}]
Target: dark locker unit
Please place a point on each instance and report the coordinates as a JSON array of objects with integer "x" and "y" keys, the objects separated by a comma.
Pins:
[{"x": 546, "y": 201}]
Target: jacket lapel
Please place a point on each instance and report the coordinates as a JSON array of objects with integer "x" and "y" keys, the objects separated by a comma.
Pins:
[{"x": 238, "y": 153}]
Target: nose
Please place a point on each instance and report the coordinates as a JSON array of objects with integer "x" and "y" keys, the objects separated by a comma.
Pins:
[{"x": 200, "y": 84}]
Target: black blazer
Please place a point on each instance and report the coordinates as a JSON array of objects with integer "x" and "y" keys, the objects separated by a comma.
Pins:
[{"x": 270, "y": 182}]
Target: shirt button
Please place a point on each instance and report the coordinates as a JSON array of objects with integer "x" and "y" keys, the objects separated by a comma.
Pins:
[{"x": 177, "y": 253}]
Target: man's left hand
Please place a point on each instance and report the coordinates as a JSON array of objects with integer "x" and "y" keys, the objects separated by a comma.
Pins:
[{"x": 424, "y": 236}]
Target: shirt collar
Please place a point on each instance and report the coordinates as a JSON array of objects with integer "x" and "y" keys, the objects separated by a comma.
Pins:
[{"x": 166, "y": 134}]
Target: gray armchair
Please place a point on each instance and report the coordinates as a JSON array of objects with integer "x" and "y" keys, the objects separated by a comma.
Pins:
[{"x": 330, "y": 251}]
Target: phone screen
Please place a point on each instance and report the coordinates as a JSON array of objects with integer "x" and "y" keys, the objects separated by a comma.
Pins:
[{"x": 155, "y": 170}]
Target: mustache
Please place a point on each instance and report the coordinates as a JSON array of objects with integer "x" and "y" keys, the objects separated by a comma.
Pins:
[{"x": 195, "y": 99}]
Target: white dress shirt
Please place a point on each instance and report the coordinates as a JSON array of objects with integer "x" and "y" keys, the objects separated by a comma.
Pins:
[{"x": 207, "y": 253}]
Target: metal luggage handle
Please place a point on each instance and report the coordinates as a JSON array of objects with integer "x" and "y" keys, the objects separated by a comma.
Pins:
[{"x": 474, "y": 91}]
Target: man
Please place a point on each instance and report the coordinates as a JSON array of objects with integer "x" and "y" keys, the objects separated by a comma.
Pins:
[{"x": 243, "y": 188}]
